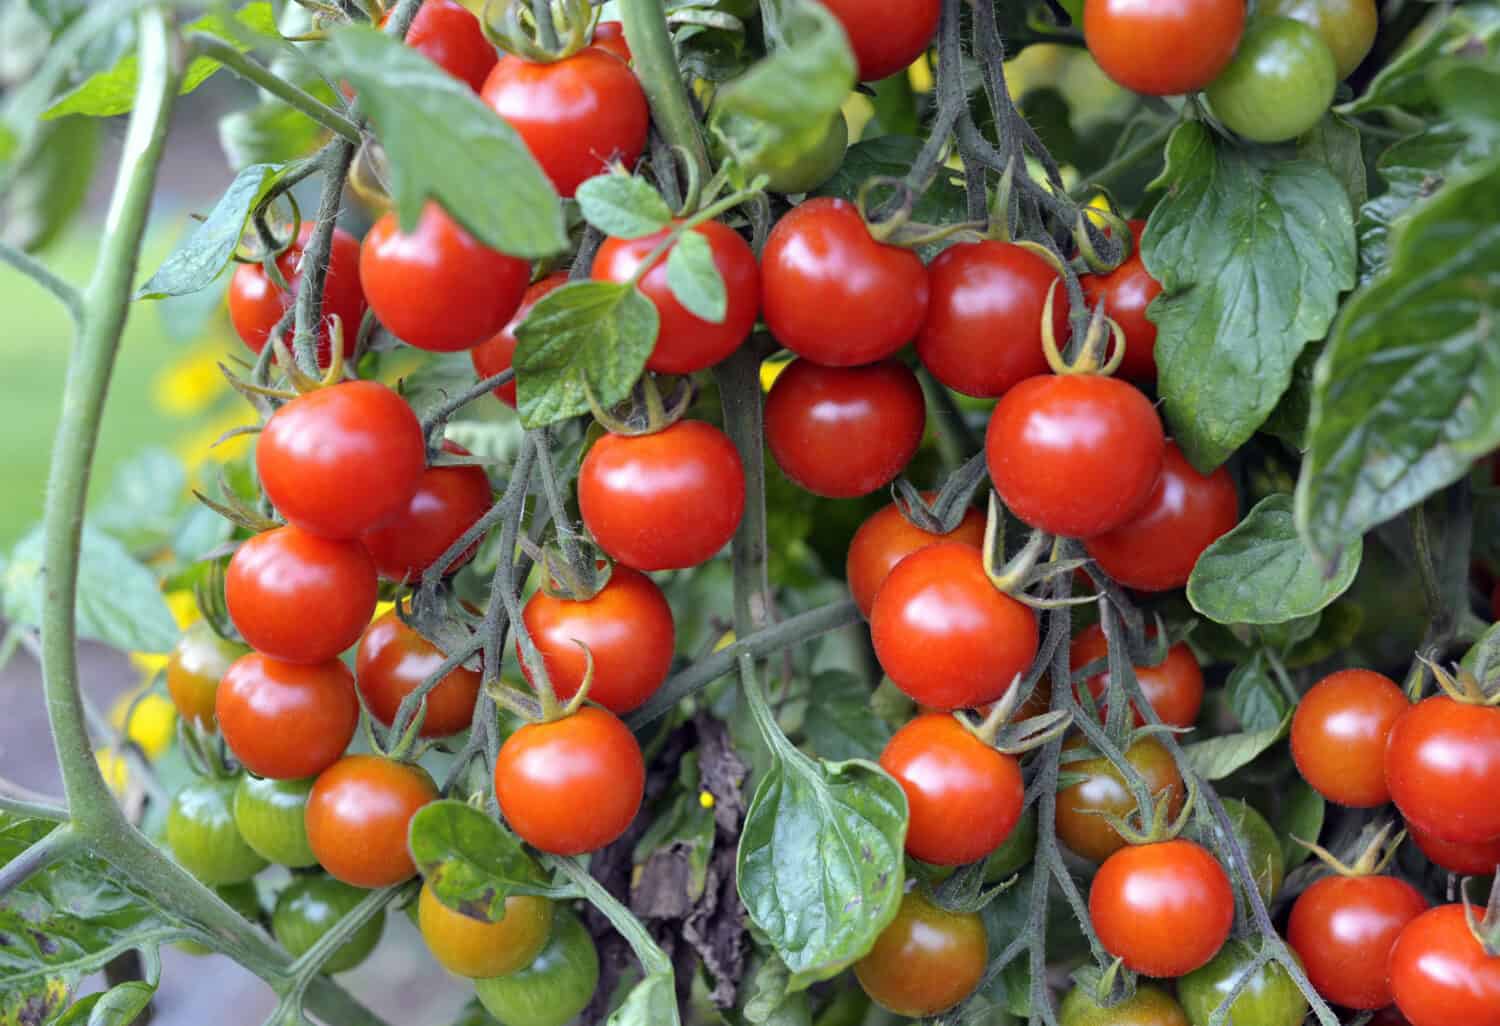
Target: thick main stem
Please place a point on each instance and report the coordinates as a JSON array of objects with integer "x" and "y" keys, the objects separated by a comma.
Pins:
[
  {"x": 744, "y": 416},
  {"x": 655, "y": 62}
]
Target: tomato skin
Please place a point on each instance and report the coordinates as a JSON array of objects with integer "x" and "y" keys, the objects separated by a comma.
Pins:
[
  {"x": 1262, "y": 846},
  {"x": 1339, "y": 735},
  {"x": 202, "y": 835},
  {"x": 1165, "y": 909},
  {"x": 685, "y": 342},
  {"x": 309, "y": 907},
  {"x": 198, "y": 662},
  {"x": 1173, "y": 687},
  {"x": 926, "y": 960},
  {"x": 887, "y": 538},
  {"x": 1478, "y": 859},
  {"x": 964, "y": 658},
  {"x": 1439, "y": 974},
  {"x": 1442, "y": 763},
  {"x": 1126, "y": 292},
  {"x": 272, "y": 818},
  {"x": 255, "y": 304},
  {"x": 1269, "y": 999},
  {"x": 547, "y": 772},
  {"x": 1151, "y": 1006},
  {"x": 479, "y": 949},
  {"x": 1074, "y": 455},
  {"x": 1347, "y": 27},
  {"x": 807, "y": 170},
  {"x": 393, "y": 661},
  {"x": 357, "y": 818},
  {"x": 842, "y": 432},
  {"x": 495, "y": 354},
  {"x": 628, "y": 629},
  {"x": 610, "y": 37},
  {"x": 297, "y": 597},
  {"x": 284, "y": 720},
  {"x": 575, "y": 115},
  {"x": 554, "y": 988},
  {"x": 886, "y": 35},
  {"x": 983, "y": 331},
  {"x": 663, "y": 501},
  {"x": 1279, "y": 84},
  {"x": 447, "y": 502},
  {"x": 1104, "y": 790},
  {"x": 1186, "y": 512},
  {"x": 1343, "y": 929},
  {"x": 833, "y": 294},
  {"x": 965, "y": 797},
  {"x": 439, "y": 288},
  {"x": 1163, "y": 49},
  {"x": 449, "y": 35}
]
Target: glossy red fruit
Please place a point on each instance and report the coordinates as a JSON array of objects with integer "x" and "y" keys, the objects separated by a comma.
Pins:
[
  {"x": 887, "y": 538},
  {"x": 1075, "y": 455},
  {"x": 1339, "y": 735},
  {"x": 495, "y": 354},
  {"x": 1442, "y": 764},
  {"x": 286, "y": 721},
  {"x": 610, "y": 36},
  {"x": 449, "y": 35},
  {"x": 447, "y": 502},
  {"x": 843, "y": 432},
  {"x": 1126, "y": 292},
  {"x": 575, "y": 115},
  {"x": 394, "y": 660},
  {"x": 1165, "y": 48},
  {"x": 943, "y": 632},
  {"x": 886, "y": 35},
  {"x": 1343, "y": 929},
  {"x": 1480, "y": 858},
  {"x": 926, "y": 960},
  {"x": 1164, "y": 909},
  {"x": 358, "y": 817},
  {"x": 255, "y": 304},
  {"x": 1441, "y": 976},
  {"x": 1173, "y": 687},
  {"x": 833, "y": 294}
]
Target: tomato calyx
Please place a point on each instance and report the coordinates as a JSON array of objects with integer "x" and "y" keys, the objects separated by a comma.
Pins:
[
  {"x": 1484, "y": 926},
  {"x": 1101, "y": 351},
  {"x": 889, "y": 220},
  {"x": 1463, "y": 687},
  {"x": 1025, "y": 569},
  {"x": 1372, "y": 860},
  {"x": 574, "y": 570},
  {"x": 1157, "y": 824},
  {"x": 1115, "y": 227},
  {"x": 512, "y": 26},
  {"x": 940, "y": 514},
  {"x": 1109, "y": 986},
  {"x": 647, "y": 411},
  {"x": 1016, "y": 738}
]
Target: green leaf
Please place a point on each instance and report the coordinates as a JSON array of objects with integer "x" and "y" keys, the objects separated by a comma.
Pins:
[
  {"x": 272, "y": 132},
  {"x": 1252, "y": 251},
  {"x": 204, "y": 254},
  {"x": 117, "y": 1006},
  {"x": 1413, "y": 169},
  {"x": 652, "y": 1002},
  {"x": 1253, "y": 696},
  {"x": 471, "y": 862},
  {"x": 1337, "y": 629},
  {"x": 1334, "y": 143},
  {"x": 144, "y": 495},
  {"x": 198, "y": 531},
  {"x": 586, "y": 337},
  {"x": 1404, "y": 395},
  {"x": 840, "y": 722},
  {"x": 436, "y": 132},
  {"x": 1263, "y": 572},
  {"x": 1471, "y": 29},
  {"x": 623, "y": 206},
  {"x": 891, "y": 156},
  {"x": 473, "y": 1014},
  {"x": 1468, "y": 91},
  {"x": 695, "y": 280},
  {"x": 1299, "y": 815},
  {"x": 1219, "y": 757},
  {"x": 1483, "y": 658},
  {"x": 49, "y": 188}
]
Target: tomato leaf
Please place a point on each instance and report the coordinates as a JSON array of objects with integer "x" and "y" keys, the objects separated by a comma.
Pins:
[
  {"x": 1300, "y": 815},
  {"x": 1412, "y": 169},
  {"x": 272, "y": 132},
  {"x": 117, "y": 1006},
  {"x": 694, "y": 278},
  {"x": 652, "y": 1002},
  {"x": 1472, "y": 30},
  {"x": 840, "y": 722},
  {"x": 471, "y": 862},
  {"x": 49, "y": 188},
  {"x": 144, "y": 494},
  {"x": 1219, "y": 757},
  {"x": 1253, "y": 696},
  {"x": 205, "y": 253},
  {"x": 623, "y": 206},
  {"x": 1334, "y": 143}
]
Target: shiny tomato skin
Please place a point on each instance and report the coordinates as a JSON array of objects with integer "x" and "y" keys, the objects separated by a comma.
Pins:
[
  {"x": 495, "y": 354},
  {"x": 309, "y": 906},
  {"x": 438, "y": 288},
  {"x": 1440, "y": 976},
  {"x": 1261, "y": 845},
  {"x": 1165, "y": 909},
  {"x": 965, "y": 797},
  {"x": 1126, "y": 292},
  {"x": 202, "y": 837},
  {"x": 1481, "y": 858},
  {"x": 1075, "y": 455},
  {"x": 887, "y": 538},
  {"x": 886, "y": 35},
  {"x": 449, "y": 35},
  {"x": 357, "y": 818},
  {"x": 446, "y": 503},
  {"x": 1270, "y": 998},
  {"x": 663, "y": 501},
  {"x": 1173, "y": 687},
  {"x": 1163, "y": 49},
  {"x": 287, "y": 721},
  {"x": 1080, "y": 824},
  {"x": 1442, "y": 764},
  {"x": 197, "y": 663},
  {"x": 479, "y": 949},
  {"x": 1185, "y": 513},
  {"x": 575, "y": 115},
  {"x": 555, "y": 988},
  {"x": 1343, "y": 929},
  {"x": 628, "y": 629},
  {"x": 297, "y": 597},
  {"x": 255, "y": 304},
  {"x": 271, "y": 816},
  {"x": 833, "y": 294},
  {"x": 983, "y": 332},
  {"x": 1347, "y": 27},
  {"x": 1279, "y": 84},
  {"x": 573, "y": 785},
  {"x": 685, "y": 342},
  {"x": 927, "y": 960},
  {"x": 1151, "y": 1006},
  {"x": 1339, "y": 735},
  {"x": 610, "y": 36},
  {"x": 842, "y": 432},
  {"x": 392, "y": 662}
]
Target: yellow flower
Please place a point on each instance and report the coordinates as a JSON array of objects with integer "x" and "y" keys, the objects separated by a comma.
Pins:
[
  {"x": 919, "y": 74},
  {"x": 115, "y": 767},
  {"x": 771, "y": 370},
  {"x": 151, "y": 724},
  {"x": 724, "y": 642},
  {"x": 188, "y": 386},
  {"x": 149, "y": 663},
  {"x": 200, "y": 447}
]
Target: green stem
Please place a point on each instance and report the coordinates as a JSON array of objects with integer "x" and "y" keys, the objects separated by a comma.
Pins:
[
  {"x": 27, "y": 808},
  {"x": 1152, "y": 143},
  {"x": 337, "y": 159},
  {"x": 253, "y": 71},
  {"x": 740, "y": 395},
  {"x": 311, "y": 962},
  {"x": 34, "y": 269},
  {"x": 653, "y": 959},
  {"x": 541, "y": 13},
  {"x": 681, "y": 228},
  {"x": 655, "y": 62},
  {"x": 956, "y": 440},
  {"x": 58, "y": 844}
]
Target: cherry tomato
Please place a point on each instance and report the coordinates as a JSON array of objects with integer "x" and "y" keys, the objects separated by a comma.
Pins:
[
  {"x": 1441, "y": 976},
  {"x": 1347, "y": 27},
  {"x": 1081, "y": 808},
  {"x": 438, "y": 288},
  {"x": 1343, "y": 929},
  {"x": 357, "y": 818},
  {"x": 1442, "y": 763},
  {"x": 886, "y": 35},
  {"x": 927, "y": 960},
  {"x": 575, "y": 115},
  {"x": 1186, "y": 512},
  {"x": 1163, "y": 49},
  {"x": 629, "y": 632},
  {"x": 448, "y": 501},
  {"x": 1339, "y": 734},
  {"x": 287, "y": 721},
  {"x": 548, "y": 772},
  {"x": 477, "y": 948},
  {"x": 495, "y": 354},
  {"x": 449, "y": 35},
  {"x": 256, "y": 305},
  {"x": 393, "y": 661},
  {"x": 887, "y": 538},
  {"x": 663, "y": 501},
  {"x": 1269, "y": 999},
  {"x": 833, "y": 294},
  {"x": 1126, "y": 292},
  {"x": 983, "y": 332},
  {"x": 685, "y": 342},
  {"x": 272, "y": 818},
  {"x": 1261, "y": 845},
  {"x": 1279, "y": 84},
  {"x": 555, "y": 988},
  {"x": 309, "y": 907},
  {"x": 1480, "y": 858},
  {"x": 297, "y": 597},
  {"x": 198, "y": 662},
  {"x": 1075, "y": 455},
  {"x": 805, "y": 171},
  {"x": 1165, "y": 909},
  {"x": 1151, "y": 1006},
  {"x": 947, "y": 636},
  {"x": 610, "y": 37},
  {"x": 842, "y": 432},
  {"x": 202, "y": 835},
  {"x": 1174, "y": 687}
]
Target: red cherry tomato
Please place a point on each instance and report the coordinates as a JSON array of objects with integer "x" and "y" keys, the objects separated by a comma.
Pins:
[
  {"x": 629, "y": 632},
  {"x": 1185, "y": 514},
  {"x": 1075, "y": 455},
  {"x": 298, "y": 597},
  {"x": 965, "y": 797},
  {"x": 1174, "y": 687},
  {"x": 1441, "y": 976},
  {"x": 842, "y": 432},
  {"x": 286, "y": 721},
  {"x": 886, "y": 35},
  {"x": 1126, "y": 292},
  {"x": 573, "y": 785},
  {"x": 1339, "y": 734},
  {"x": 439, "y": 288},
  {"x": 610, "y": 37},
  {"x": 983, "y": 332},
  {"x": 663, "y": 501},
  {"x": 575, "y": 115},
  {"x": 448, "y": 501},
  {"x": 1165, "y": 909},
  {"x": 1343, "y": 929},
  {"x": 495, "y": 354},
  {"x": 685, "y": 342},
  {"x": 449, "y": 35},
  {"x": 393, "y": 660},
  {"x": 887, "y": 538},
  {"x": 358, "y": 815},
  {"x": 1164, "y": 48},
  {"x": 1442, "y": 764},
  {"x": 1481, "y": 858},
  {"x": 945, "y": 634},
  {"x": 927, "y": 960},
  {"x": 833, "y": 294},
  {"x": 255, "y": 304}
]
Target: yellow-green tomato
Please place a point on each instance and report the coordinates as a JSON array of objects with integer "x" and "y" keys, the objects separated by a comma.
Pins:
[
  {"x": 310, "y": 906},
  {"x": 478, "y": 949},
  {"x": 1269, "y": 999},
  {"x": 1262, "y": 848},
  {"x": 1279, "y": 84},
  {"x": 203, "y": 837},
  {"x": 1149, "y": 1006},
  {"x": 1347, "y": 27},
  {"x": 271, "y": 816},
  {"x": 554, "y": 988}
]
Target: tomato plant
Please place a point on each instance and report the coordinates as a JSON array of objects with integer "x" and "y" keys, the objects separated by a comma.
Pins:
[
  {"x": 1279, "y": 84},
  {"x": 271, "y": 816},
  {"x": 927, "y": 960},
  {"x": 1126, "y": 292},
  {"x": 1440, "y": 975},
  {"x": 393, "y": 661},
  {"x": 1441, "y": 759},
  {"x": 610, "y": 35},
  {"x": 1164, "y": 909},
  {"x": 357, "y": 817},
  {"x": 202, "y": 835},
  {"x": 309, "y": 906},
  {"x": 554, "y": 988},
  {"x": 286, "y": 720},
  {"x": 449, "y": 35},
  {"x": 1082, "y": 808},
  {"x": 886, "y": 35},
  {"x": 198, "y": 662},
  {"x": 478, "y": 949},
  {"x": 1347, "y": 27},
  {"x": 1270, "y": 996},
  {"x": 1130, "y": 42},
  {"x": 494, "y": 355},
  {"x": 256, "y": 303},
  {"x": 448, "y": 500},
  {"x": 1150, "y": 1006}
]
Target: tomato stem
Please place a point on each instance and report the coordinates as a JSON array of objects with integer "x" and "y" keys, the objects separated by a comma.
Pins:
[
  {"x": 258, "y": 74},
  {"x": 655, "y": 62}
]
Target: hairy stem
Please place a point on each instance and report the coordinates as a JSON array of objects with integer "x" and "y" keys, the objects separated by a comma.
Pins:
[
  {"x": 253, "y": 71},
  {"x": 655, "y": 63},
  {"x": 336, "y": 161},
  {"x": 739, "y": 393},
  {"x": 58, "y": 844}
]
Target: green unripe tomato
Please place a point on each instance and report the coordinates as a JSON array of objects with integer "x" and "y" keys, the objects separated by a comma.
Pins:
[
  {"x": 552, "y": 990},
  {"x": 1016, "y": 852},
  {"x": 1279, "y": 84},
  {"x": 271, "y": 818},
  {"x": 1270, "y": 998},
  {"x": 1347, "y": 27},
  {"x": 1267, "y": 860},
  {"x": 308, "y": 908},
  {"x": 807, "y": 170},
  {"x": 243, "y": 898},
  {"x": 1150, "y": 1006},
  {"x": 203, "y": 837}
]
